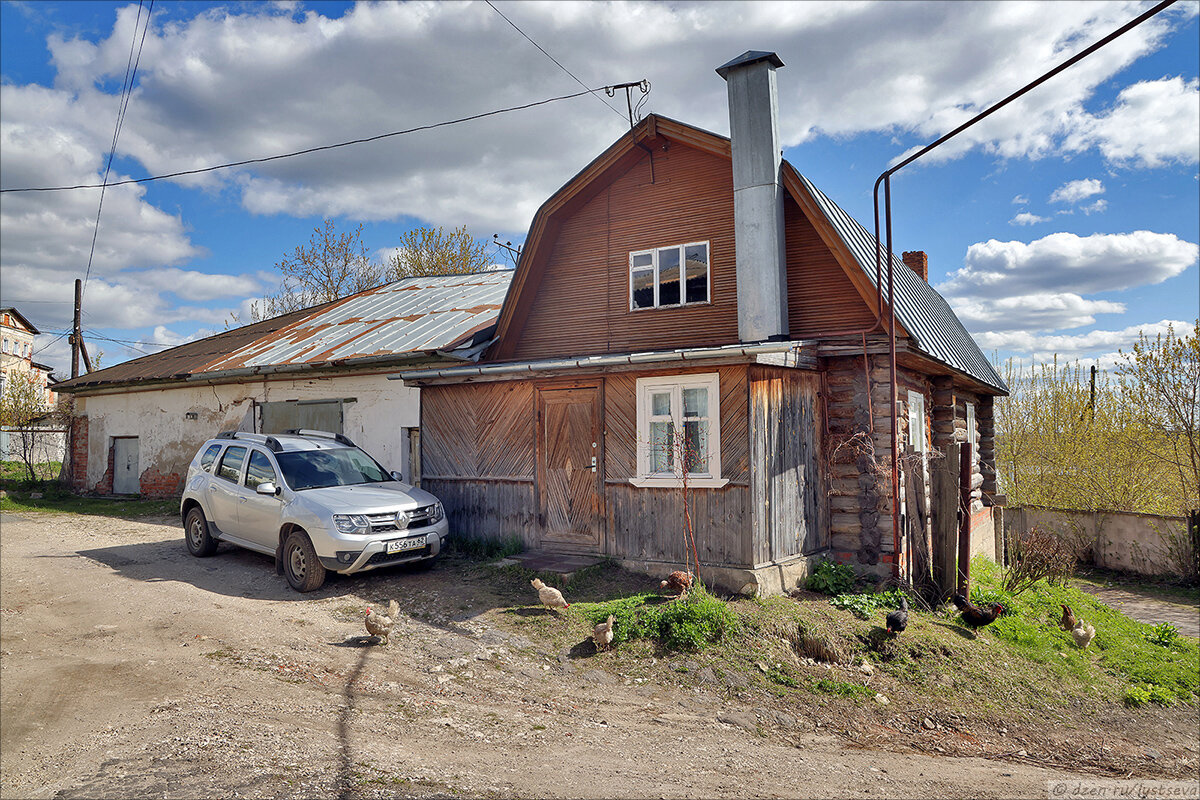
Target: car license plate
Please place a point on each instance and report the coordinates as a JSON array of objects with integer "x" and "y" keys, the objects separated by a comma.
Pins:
[{"x": 401, "y": 545}]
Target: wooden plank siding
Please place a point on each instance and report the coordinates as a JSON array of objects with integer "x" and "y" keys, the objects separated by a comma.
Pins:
[
  {"x": 584, "y": 288},
  {"x": 787, "y": 482},
  {"x": 479, "y": 445},
  {"x": 821, "y": 297}
]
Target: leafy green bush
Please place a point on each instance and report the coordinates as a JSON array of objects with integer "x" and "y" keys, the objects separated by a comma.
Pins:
[
  {"x": 690, "y": 623},
  {"x": 1164, "y": 633},
  {"x": 864, "y": 606},
  {"x": 830, "y": 577},
  {"x": 1137, "y": 696}
]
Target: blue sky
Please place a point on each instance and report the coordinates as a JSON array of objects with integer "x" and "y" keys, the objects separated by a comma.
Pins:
[{"x": 1062, "y": 225}]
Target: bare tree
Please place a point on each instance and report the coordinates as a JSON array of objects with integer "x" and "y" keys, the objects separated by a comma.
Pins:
[{"x": 434, "y": 251}]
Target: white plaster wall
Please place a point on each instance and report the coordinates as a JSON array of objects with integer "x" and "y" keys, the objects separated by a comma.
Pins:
[{"x": 167, "y": 440}]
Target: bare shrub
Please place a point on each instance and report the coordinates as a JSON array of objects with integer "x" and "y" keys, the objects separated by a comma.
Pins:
[{"x": 1037, "y": 554}]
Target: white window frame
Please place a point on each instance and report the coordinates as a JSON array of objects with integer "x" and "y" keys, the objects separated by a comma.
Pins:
[
  {"x": 972, "y": 436},
  {"x": 711, "y": 479},
  {"x": 682, "y": 248},
  {"x": 917, "y": 435}
]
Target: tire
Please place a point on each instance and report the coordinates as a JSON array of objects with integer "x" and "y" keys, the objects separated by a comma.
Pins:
[
  {"x": 304, "y": 572},
  {"x": 199, "y": 541}
]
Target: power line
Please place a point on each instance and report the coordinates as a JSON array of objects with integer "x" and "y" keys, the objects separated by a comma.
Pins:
[
  {"x": 308, "y": 150},
  {"x": 552, "y": 58},
  {"x": 122, "y": 107}
]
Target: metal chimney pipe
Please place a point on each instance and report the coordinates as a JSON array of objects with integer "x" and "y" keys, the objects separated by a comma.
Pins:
[{"x": 757, "y": 196}]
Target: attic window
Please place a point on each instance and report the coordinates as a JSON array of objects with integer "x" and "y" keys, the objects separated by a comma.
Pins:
[{"x": 654, "y": 276}]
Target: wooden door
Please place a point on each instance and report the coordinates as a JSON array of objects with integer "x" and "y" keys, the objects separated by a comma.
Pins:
[{"x": 569, "y": 469}]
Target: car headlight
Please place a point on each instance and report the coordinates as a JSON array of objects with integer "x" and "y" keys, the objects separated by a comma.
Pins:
[
  {"x": 351, "y": 523},
  {"x": 437, "y": 513}
]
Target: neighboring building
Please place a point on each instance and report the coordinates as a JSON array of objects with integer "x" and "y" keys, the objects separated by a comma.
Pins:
[
  {"x": 16, "y": 353},
  {"x": 45, "y": 441},
  {"x": 138, "y": 424},
  {"x": 688, "y": 305}
]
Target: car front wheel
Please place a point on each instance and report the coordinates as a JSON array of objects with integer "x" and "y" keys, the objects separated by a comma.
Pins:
[
  {"x": 300, "y": 565},
  {"x": 200, "y": 542}
]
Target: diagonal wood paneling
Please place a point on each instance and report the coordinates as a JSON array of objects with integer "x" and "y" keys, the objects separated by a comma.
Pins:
[
  {"x": 620, "y": 426},
  {"x": 448, "y": 431},
  {"x": 504, "y": 416}
]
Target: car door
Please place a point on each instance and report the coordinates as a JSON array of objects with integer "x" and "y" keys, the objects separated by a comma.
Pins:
[
  {"x": 258, "y": 514},
  {"x": 223, "y": 490}
]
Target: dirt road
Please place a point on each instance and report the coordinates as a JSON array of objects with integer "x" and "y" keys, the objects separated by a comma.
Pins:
[{"x": 130, "y": 668}]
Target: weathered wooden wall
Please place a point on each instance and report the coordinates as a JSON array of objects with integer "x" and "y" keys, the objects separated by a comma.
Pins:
[{"x": 787, "y": 487}]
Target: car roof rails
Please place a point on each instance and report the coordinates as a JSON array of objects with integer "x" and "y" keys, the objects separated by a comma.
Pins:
[
  {"x": 270, "y": 441},
  {"x": 337, "y": 437}
]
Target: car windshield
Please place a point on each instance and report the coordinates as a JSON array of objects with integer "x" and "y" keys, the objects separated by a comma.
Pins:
[{"x": 343, "y": 466}]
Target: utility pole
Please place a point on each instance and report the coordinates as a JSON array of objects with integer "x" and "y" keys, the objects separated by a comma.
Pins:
[{"x": 76, "y": 331}]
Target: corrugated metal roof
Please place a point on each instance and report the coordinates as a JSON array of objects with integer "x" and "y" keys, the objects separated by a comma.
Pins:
[
  {"x": 409, "y": 316},
  {"x": 921, "y": 310},
  {"x": 404, "y": 318}
]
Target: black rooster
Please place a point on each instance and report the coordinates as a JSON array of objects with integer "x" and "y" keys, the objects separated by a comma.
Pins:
[
  {"x": 975, "y": 616},
  {"x": 897, "y": 621}
]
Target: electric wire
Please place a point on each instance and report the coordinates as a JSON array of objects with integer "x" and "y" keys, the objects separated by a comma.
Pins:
[
  {"x": 305, "y": 151},
  {"x": 122, "y": 107},
  {"x": 552, "y": 58}
]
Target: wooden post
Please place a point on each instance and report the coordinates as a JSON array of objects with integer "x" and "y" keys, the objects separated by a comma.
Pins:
[
  {"x": 76, "y": 329},
  {"x": 964, "y": 520},
  {"x": 945, "y": 519}
]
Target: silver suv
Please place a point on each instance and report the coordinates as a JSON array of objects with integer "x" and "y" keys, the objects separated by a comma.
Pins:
[{"x": 311, "y": 499}]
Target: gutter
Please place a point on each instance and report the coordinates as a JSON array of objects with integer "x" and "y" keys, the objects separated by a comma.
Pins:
[{"x": 660, "y": 357}]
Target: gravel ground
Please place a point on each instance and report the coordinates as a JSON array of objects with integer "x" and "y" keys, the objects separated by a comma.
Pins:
[{"x": 130, "y": 668}]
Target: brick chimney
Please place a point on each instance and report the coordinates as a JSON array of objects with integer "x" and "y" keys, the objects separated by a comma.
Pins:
[
  {"x": 757, "y": 196},
  {"x": 918, "y": 262}
]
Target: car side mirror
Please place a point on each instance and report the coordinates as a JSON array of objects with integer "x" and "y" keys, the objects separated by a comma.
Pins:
[
  {"x": 267, "y": 488},
  {"x": 396, "y": 476}
]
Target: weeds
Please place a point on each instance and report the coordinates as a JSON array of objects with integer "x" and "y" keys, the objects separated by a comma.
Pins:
[
  {"x": 864, "y": 606},
  {"x": 1164, "y": 634},
  {"x": 487, "y": 549},
  {"x": 830, "y": 577},
  {"x": 692, "y": 622}
]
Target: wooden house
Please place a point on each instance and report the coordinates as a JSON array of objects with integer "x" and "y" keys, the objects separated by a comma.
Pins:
[{"x": 690, "y": 305}]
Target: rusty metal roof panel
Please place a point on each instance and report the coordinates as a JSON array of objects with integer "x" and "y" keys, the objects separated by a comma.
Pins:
[
  {"x": 408, "y": 316},
  {"x": 921, "y": 310}
]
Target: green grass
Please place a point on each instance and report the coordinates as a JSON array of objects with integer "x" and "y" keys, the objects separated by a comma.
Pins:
[
  {"x": 486, "y": 549},
  {"x": 690, "y": 623},
  {"x": 14, "y": 474},
  {"x": 55, "y": 498}
]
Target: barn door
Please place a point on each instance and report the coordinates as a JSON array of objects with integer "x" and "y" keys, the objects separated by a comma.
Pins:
[
  {"x": 125, "y": 466},
  {"x": 569, "y": 469}
]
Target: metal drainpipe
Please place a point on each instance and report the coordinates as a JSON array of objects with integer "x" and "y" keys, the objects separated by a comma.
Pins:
[{"x": 885, "y": 178}]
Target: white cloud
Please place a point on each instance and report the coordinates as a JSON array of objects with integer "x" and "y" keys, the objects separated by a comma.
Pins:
[
  {"x": 1061, "y": 261},
  {"x": 1025, "y": 218},
  {"x": 1020, "y": 200},
  {"x": 1098, "y": 346},
  {"x": 1037, "y": 311},
  {"x": 1096, "y": 207},
  {"x": 1074, "y": 191},
  {"x": 1153, "y": 123},
  {"x": 192, "y": 285}
]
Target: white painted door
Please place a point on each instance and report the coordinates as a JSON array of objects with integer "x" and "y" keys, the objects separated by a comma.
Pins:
[{"x": 125, "y": 466}]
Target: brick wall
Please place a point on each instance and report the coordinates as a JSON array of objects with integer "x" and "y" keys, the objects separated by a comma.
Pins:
[
  {"x": 79, "y": 453},
  {"x": 159, "y": 484}
]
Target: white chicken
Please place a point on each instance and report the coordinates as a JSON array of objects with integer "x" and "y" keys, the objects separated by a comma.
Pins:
[
  {"x": 603, "y": 634},
  {"x": 550, "y": 597},
  {"x": 1083, "y": 634},
  {"x": 381, "y": 626}
]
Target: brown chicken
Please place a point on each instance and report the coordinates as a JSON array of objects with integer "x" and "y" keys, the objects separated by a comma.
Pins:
[
  {"x": 381, "y": 626},
  {"x": 677, "y": 583},
  {"x": 550, "y": 597},
  {"x": 975, "y": 616},
  {"x": 603, "y": 634},
  {"x": 1068, "y": 618}
]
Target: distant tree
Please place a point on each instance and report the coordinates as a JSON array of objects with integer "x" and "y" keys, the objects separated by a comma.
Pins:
[
  {"x": 434, "y": 251},
  {"x": 1165, "y": 378},
  {"x": 26, "y": 417}
]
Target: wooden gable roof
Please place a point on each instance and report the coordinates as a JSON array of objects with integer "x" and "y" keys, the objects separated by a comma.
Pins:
[{"x": 828, "y": 220}]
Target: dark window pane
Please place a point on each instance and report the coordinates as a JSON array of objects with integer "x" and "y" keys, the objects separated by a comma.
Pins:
[
  {"x": 643, "y": 288},
  {"x": 259, "y": 470},
  {"x": 697, "y": 273},
  {"x": 210, "y": 455},
  {"x": 668, "y": 276},
  {"x": 231, "y": 464}
]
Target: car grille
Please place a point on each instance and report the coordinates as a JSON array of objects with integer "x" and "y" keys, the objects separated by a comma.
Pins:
[
  {"x": 408, "y": 555},
  {"x": 418, "y": 518}
]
